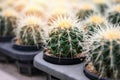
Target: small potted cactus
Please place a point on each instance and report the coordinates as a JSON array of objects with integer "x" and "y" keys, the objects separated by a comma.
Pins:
[
  {"x": 8, "y": 20},
  {"x": 85, "y": 11},
  {"x": 103, "y": 51},
  {"x": 29, "y": 34},
  {"x": 93, "y": 22},
  {"x": 28, "y": 42},
  {"x": 114, "y": 15},
  {"x": 64, "y": 45},
  {"x": 102, "y": 5}
]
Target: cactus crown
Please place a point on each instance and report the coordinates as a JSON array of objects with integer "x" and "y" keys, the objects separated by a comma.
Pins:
[
  {"x": 29, "y": 31},
  {"x": 65, "y": 38},
  {"x": 96, "y": 19},
  {"x": 104, "y": 51},
  {"x": 99, "y": 1},
  {"x": 8, "y": 21},
  {"x": 33, "y": 9}
]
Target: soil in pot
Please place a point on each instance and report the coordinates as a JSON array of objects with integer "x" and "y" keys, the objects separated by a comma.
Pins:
[
  {"x": 92, "y": 74},
  {"x": 62, "y": 61}
]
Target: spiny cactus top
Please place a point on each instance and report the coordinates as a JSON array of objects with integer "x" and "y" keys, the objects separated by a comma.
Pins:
[
  {"x": 8, "y": 19},
  {"x": 114, "y": 15},
  {"x": 85, "y": 11},
  {"x": 65, "y": 38},
  {"x": 104, "y": 51},
  {"x": 33, "y": 9},
  {"x": 94, "y": 22},
  {"x": 29, "y": 31}
]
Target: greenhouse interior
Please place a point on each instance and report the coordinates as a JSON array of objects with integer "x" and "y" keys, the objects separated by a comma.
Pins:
[{"x": 59, "y": 39}]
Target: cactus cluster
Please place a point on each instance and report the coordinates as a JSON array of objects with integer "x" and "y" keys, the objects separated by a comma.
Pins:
[
  {"x": 104, "y": 51},
  {"x": 65, "y": 38},
  {"x": 8, "y": 20},
  {"x": 29, "y": 31},
  {"x": 114, "y": 15}
]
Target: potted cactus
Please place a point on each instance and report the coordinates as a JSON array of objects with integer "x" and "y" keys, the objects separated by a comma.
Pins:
[
  {"x": 102, "y": 5},
  {"x": 29, "y": 34},
  {"x": 114, "y": 15},
  {"x": 85, "y": 11},
  {"x": 8, "y": 19},
  {"x": 94, "y": 22},
  {"x": 28, "y": 42},
  {"x": 64, "y": 45},
  {"x": 103, "y": 51}
]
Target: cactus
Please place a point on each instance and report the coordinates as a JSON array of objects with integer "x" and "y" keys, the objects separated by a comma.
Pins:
[
  {"x": 94, "y": 22},
  {"x": 101, "y": 5},
  {"x": 8, "y": 21},
  {"x": 104, "y": 52},
  {"x": 65, "y": 39},
  {"x": 114, "y": 15},
  {"x": 29, "y": 31},
  {"x": 85, "y": 11}
]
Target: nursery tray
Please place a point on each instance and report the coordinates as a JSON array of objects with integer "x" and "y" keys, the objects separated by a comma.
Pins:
[
  {"x": 61, "y": 72},
  {"x": 7, "y": 49}
]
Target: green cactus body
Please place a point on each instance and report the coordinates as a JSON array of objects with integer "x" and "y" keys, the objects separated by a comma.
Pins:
[
  {"x": 102, "y": 8},
  {"x": 105, "y": 52},
  {"x": 31, "y": 35},
  {"x": 83, "y": 14},
  {"x": 114, "y": 17},
  {"x": 7, "y": 24}
]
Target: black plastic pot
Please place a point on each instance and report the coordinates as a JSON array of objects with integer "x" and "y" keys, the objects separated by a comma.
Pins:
[
  {"x": 62, "y": 61},
  {"x": 6, "y": 38},
  {"x": 93, "y": 76},
  {"x": 26, "y": 48}
]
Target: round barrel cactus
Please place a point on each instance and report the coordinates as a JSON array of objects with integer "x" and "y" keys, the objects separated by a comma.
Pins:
[
  {"x": 93, "y": 22},
  {"x": 85, "y": 11},
  {"x": 102, "y": 5},
  {"x": 29, "y": 31},
  {"x": 114, "y": 15},
  {"x": 8, "y": 21},
  {"x": 104, "y": 52},
  {"x": 65, "y": 38}
]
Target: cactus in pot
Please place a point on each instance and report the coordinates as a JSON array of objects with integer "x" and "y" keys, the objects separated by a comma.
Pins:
[
  {"x": 114, "y": 15},
  {"x": 65, "y": 38},
  {"x": 8, "y": 21},
  {"x": 104, "y": 49},
  {"x": 29, "y": 31}
]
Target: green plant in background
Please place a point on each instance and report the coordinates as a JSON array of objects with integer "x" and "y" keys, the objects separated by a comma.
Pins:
[
  {"x": 29, "y": 31},
  {"x": 8, "y": 19},
  {"x": 93, "y": 22},
  {"x": 101, "y": 5},
  {"x": 65, "y": 39},
  {"x": 104, "y": 52},
  {"x": 114, "y": 16},
  {"x": 85, "y": 11}
]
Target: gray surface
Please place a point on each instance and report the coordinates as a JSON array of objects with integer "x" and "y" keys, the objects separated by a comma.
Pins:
[
  {"x": 7, "y": 49},
  {"x": 10, "y": 72},
  {"x": 63, "y": 72}
]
